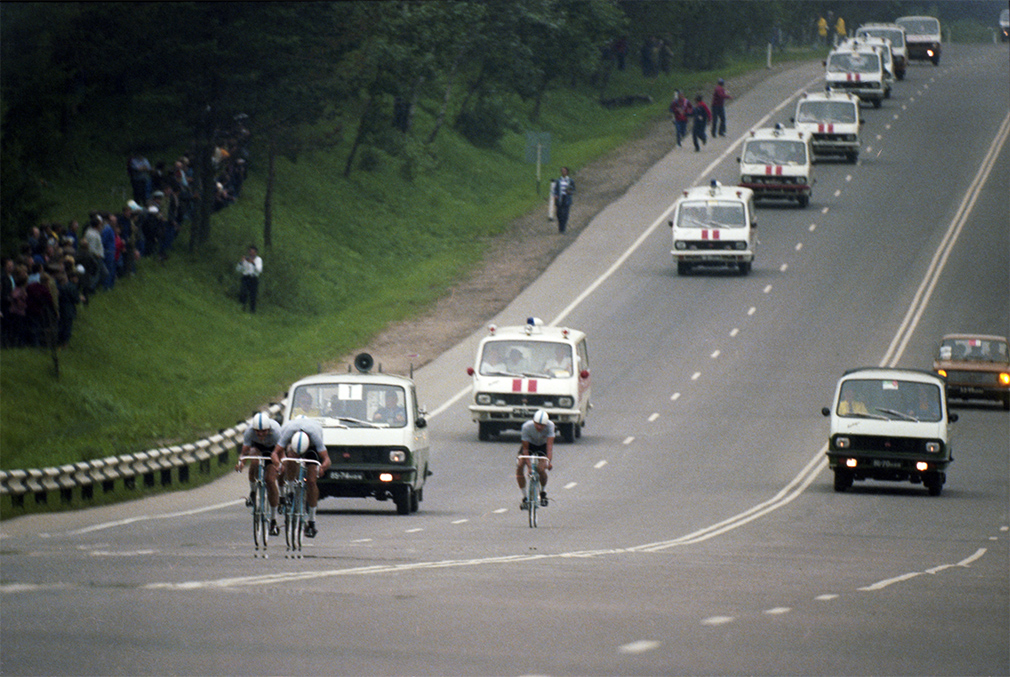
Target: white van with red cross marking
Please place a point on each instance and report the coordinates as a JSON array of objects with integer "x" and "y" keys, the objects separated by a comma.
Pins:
[
  {"x": 714, "y": 226},
  {"x": 520, "y": 369}
]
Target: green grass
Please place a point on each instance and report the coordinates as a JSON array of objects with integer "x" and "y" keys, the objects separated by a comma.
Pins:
[{"x": 168, "y": 356}]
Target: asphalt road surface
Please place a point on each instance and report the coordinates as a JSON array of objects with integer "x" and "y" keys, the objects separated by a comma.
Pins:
[{"x": 693, "y": 528}]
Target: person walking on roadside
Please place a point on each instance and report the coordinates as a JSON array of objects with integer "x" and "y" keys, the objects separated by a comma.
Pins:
[
  {"x": 251, "y": 266},
  {"x": 681, "y": 109},
  {"x": 564, "y": 188},
  {"x": 701, "y": 115},
  {"x": 719, "y": 97}
]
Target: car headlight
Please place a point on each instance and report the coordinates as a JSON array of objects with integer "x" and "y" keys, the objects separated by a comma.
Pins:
[
  {"x": 740, "y": 245},
  {"x": 842, "y": 443},
  {"x": 680, "y": 244},
  {"x": 566, "y": 402},
  {"x": 483, "y": 398},
  {"x": 397, "y": 456},
  {"x": 934, "y": 447},
  {"x": 1004, "y": 379}
]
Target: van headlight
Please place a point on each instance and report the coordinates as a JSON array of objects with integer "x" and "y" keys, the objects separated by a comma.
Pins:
[
  {"x": 842, "y": 443},
  {"x": 740, "y": 245},
  {"x": 680, "y": 244},
  {"x": 397, "y": 456},
  {"x": 566, "y": 402},
  {"x": 934, "y": 447},
  {"x": 483, "y": 398}
]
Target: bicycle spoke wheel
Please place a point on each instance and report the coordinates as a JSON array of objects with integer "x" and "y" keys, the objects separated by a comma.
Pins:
[{"x": 533, "y": 499}]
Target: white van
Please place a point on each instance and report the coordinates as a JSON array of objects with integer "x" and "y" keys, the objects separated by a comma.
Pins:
[
  {"x": 714, "y": 225},
  {"x": 832, "y": 119},
  {"x": 857, "y": 69},
  {"x": 883, "y": 47},
  {"x": 922, "y": 34},
  {"x": 519, "y": 369},
  {"x": 894, "y": 33},
  {"x": 890, "y": 425},
  {"x": 778, "y": 163}
]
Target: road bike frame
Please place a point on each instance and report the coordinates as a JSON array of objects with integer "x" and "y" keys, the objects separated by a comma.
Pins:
[
  {"x": 533, "y": 487},
  {"x": 295, "y": 511}
]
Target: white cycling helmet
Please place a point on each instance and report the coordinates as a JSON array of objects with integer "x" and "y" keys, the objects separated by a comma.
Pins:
[
  {"x": 261, "y": 422},
  {"x": 300, "y": 443},
  {"x": 541, "y": 417}
]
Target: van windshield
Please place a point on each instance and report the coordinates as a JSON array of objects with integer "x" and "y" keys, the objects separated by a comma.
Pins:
[
  {"x": 853, "y": 62},
  {"x": 775, "y": 152},
  {"x": 889, "y": 400},
  {"x": 351, "y": 405},
  {"x": 837, "y": 112},
  {"x": 538, "y": 359},
  {"x": 711, "y": 214},
  {"x": 893, "y": 34},
  {"x": 920, "y": 26}
]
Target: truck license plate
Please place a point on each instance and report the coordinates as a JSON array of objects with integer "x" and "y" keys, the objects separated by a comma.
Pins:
[
  {"x": 879, "y": 463},
  {"x": 345, "y": 475}
]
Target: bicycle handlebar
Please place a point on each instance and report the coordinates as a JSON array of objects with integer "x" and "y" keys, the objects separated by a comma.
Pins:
[
  {"x": 542, "y": 457},
  {"x": 300, "y": 461},
  {"x": 254, "y": 458}
]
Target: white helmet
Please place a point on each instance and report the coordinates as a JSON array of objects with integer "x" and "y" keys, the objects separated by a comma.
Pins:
[
  {"x": 261, "y": 421},
  {"x": 541, "y": 417},
  {"x": 300, "y": 443}
]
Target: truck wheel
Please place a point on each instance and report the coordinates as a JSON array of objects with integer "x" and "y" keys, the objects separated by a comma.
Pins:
[
  {"x": 683, "y": 268},
  {"x": 745, "y": 267},
  {"x": 568, "y": 432},
  {"x": 843, "y": 479},
  {"x": 403, "y": 498},
  {"x": 876, "y": 103},
  {"x": 934, "y": 483},
  {"x": 804, "y": 201},
  {"x": 415, "y": 500},
  {"x": 853, "y": 158},
  {"x": 484, "y": 431}
]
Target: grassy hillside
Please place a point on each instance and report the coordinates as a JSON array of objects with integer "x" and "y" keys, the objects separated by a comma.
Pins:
[{"x": 168, "y": 356}]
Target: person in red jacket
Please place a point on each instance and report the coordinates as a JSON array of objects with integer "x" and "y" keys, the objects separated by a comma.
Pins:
[
  {"x": 719, "y": 98},
  {"x": 680, "y": 107},
  {"x": 701, "y": 115}
]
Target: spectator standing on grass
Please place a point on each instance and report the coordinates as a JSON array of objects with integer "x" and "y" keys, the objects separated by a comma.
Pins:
[
  {"x": 92, "y": 275},
  {"x": 719, "y": 98},
  {"x": 69, "y": 295},
  {"x": 151, "y": 226},
  {"x": 139, "y": 170},
  {"x": 40, "y": 306},
  {"x": 170, "y": 214},
  {"x": 109, "y": 251},
  {"x": 19, "y": 307},
  {"x": 5, "y": 301},
  {"x": 701, "y": 115},
  {"x": 93, "y": 235},
  {"x": 251, "y": 266}
]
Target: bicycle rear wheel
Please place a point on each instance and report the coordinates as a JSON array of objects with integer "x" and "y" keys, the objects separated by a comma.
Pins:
[{"x": 261, "y": 521}]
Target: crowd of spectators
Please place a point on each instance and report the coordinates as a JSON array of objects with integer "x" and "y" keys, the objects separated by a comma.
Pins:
[{"x": 60, "y": 267}]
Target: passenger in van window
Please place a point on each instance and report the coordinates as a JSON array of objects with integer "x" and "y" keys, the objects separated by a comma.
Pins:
[
  {"x": 848, "y": 404},
  {"x": 561, "y": 361},
  {"x": 392, "y": 413},
  {"x": 515, "y": 364},
  {"x": 304, "y": 405},
  {"x": 492, "y": 362}
]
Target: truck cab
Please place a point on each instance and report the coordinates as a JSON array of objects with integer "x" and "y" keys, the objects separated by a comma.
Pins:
[
  {"x": 520, "y": 369},
  {"x": 778, "y": 163},
  {"x": 374, "y": 430},
  {"x": 714, "y": 225},
  {"x": 923, "y": 36}
]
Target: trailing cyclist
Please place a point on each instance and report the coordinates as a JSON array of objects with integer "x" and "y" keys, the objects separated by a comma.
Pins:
[
  {"x": 302, "y": 437},
  {"x": 537, "y": 440},
  {"x": 259, "y": 439}
]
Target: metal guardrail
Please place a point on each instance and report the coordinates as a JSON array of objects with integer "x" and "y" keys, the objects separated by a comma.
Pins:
[{"x": 148, "y": 465}]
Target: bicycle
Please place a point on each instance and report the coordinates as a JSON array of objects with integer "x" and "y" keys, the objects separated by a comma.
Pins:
[
  {"x": 533, "y": 488},
  {"x": 261, "y": 506},
  {"x": 295, "y": 512}
]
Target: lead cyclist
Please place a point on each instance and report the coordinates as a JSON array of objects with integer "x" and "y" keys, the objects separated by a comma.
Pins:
[
  {"x": 302, "y": 437},
  {"x": 537, "y": 440},
  {"x": 259, "y": 439}
]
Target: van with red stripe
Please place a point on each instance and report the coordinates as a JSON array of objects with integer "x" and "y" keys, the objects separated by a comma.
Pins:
[
  {"x": 714, "y": 226},
  {"x": 520, "y": 369},
  {"x": 778, "y": 163},
  {"x": 857, "y": 68},
  {"x": 832, "y": 119}
]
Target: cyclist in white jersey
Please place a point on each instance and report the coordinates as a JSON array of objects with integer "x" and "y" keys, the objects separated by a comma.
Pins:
[
  {"x": 537, "y": 440},
  {"x": 316, "y": 450},
  {"x": 259, "y": 439}
]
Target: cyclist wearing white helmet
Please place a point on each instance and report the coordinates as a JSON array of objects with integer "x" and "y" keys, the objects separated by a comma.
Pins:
[
  {"x": 537, "y": 440},
  {"x": 302, "y": 437},
  {"x": 259, "y": 439}
]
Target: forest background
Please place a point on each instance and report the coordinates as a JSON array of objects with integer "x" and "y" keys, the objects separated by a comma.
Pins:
[{"x": 388, "y": 147}]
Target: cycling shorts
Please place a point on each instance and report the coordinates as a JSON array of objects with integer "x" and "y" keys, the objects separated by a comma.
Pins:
[{"x": 311, "y": 454}]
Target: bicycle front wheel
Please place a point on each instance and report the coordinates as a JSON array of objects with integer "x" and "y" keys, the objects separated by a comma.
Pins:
[
  {"x": 261, "y": 522},
  {"x": 533, "y": 498}
]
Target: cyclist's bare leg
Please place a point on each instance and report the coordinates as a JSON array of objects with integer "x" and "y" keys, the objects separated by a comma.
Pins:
[
  {"x": 311, "y": 489},
  {"x": 273, "y": 495},
  {"x": 542, "y": 471},
  {"x": 521, "y": 466}
]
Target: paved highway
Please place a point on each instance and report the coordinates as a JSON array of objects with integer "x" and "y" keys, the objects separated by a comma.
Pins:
[{"x": 693, "y": 529}]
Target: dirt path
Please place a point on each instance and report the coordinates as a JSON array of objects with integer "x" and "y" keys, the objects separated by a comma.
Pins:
[{"x": 501, "y": 276}]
